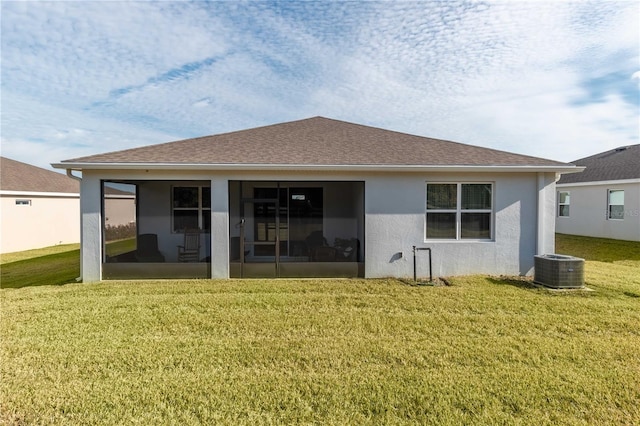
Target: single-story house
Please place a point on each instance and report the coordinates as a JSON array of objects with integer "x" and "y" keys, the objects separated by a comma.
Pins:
[
  {"x": 41, "y": 208},
  {"x": 604, "y": 200},
  {"x": 320, "y": 197}
]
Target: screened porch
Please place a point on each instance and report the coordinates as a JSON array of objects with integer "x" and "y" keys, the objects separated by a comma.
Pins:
[{"x": 296, "y": 229}]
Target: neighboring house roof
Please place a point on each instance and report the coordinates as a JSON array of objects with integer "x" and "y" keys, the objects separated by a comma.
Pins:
[
  {"x": 117, "y": 192},
  {"x": 617, "y": 164},
  {"x": 18, "y": 176},
  {"x": 311, "y": 142}
]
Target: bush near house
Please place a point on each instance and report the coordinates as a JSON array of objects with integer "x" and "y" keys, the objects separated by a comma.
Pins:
[
  {"x": 120, "y": 232},
  {"x": 485, "y": 350}
]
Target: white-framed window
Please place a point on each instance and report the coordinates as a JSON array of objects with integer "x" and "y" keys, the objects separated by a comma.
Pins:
[
  {"x": 615, "y": 204},
  {"x": 190, "y": 208},
  {"x": 564, "y": 201},
  {"x": 459, "y": 211},
  {"x": 23, "y": 202}
]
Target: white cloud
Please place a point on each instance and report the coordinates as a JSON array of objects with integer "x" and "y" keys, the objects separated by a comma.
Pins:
[
  {"x": 81, "y": 78},
  {"x": 41, "y": 134}
]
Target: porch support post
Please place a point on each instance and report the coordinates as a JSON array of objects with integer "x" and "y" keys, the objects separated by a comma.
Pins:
[
  {"x": 91, "y": 228},
  {"x": 219, "y": 228},
  {"x": 546, "y": 213}
]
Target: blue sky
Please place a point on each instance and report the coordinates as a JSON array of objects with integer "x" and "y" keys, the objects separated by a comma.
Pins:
[{"x": 554, "y": 79}]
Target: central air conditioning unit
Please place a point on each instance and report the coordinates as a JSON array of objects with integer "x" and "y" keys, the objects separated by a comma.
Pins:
[{"x": 559, "y": 271}]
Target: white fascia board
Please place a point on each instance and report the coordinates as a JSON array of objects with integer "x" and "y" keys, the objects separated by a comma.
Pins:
[
  {"x": 318, "y": 167},
  {"x": 39, "y": 194},
  {"x": 599, "y": 183}
]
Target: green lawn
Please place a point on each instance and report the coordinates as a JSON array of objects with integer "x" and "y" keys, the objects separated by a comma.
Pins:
[
  {"x": 31, "y": 254},
  {"x": 486, "y": 350},
  {"x": 51, "y": 265},
  {"x": 41, "y": 267}
]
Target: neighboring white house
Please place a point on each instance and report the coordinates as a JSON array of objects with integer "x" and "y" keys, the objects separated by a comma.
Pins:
[
  {"x": 604, "y": 200},
  {"x": 321, "y": 197},
  {"x": 119, "y": 207},
  {"x": 40, "y": 207}
]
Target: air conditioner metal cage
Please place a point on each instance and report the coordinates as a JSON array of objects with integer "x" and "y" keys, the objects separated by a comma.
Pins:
[{"x": 559, "y": 271}]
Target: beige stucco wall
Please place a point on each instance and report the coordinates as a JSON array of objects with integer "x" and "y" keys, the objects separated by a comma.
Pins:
[
  {"x": 47, "y": 221},
  {"x": 119, "y": 210}
]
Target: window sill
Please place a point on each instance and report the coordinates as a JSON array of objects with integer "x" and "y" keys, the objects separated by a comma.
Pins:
[{"x": 442, "y": 240}]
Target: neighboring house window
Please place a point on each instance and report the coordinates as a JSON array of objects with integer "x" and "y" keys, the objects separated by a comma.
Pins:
[
  {"x": 459, "y": 211},
  {"x": 564, "y": 199},
  {"x": 23, "y": 202},
  {"x": 191, "y": 208},
  {"x": 616, "y": 204}
]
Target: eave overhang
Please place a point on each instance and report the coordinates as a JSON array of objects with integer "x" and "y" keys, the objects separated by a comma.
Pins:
[
  {"x": 11, "y": 193},
  {"x": 599, "y": 183},
  {"x": 322, "y": 167}
]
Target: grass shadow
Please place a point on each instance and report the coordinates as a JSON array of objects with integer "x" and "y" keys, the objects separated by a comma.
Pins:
[
  {"x": 53, "y": 269},
  {"x": 519, "y": 282},
  {"x": 436, "y": 282}
]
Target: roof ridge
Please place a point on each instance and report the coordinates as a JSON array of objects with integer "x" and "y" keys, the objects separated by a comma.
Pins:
[
  {"x": 614, "y": 164},
  {"x": 619, "y": 149}
]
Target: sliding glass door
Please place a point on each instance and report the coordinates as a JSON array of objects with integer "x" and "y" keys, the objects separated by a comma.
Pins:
[{"x": 282, "y": 229}]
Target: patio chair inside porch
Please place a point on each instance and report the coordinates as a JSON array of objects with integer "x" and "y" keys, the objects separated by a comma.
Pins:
[
  {"x": 189, "y": 251},
  {"x": 147, "y": 250}
]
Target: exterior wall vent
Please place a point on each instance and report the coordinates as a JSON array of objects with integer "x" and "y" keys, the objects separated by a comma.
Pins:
[{"x": 559, "y": 271}]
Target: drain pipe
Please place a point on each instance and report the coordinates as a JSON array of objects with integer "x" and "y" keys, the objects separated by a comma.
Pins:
[
  {"x": 72, "y": 176},
  {"x": 415, "y": 278}
]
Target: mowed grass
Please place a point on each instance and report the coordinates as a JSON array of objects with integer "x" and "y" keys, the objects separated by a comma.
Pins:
[
  {"x": 50, "y": 266},
  {"x": 612, "y": 266},
  {"x": 486, "y": 350},
  {"x": 30, "y": 254}
]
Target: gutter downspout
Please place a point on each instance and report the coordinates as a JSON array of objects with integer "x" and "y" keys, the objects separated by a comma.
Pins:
[
  {"x": 79, "y": 179},
  {"x": 72, "y": 176}
]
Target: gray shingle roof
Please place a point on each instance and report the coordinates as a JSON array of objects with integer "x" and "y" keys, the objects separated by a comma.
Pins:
[
  {"x": 18, "y": 176},
  {"x": 312, "y": 142},
  {"x": 617, "y": 164}
]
